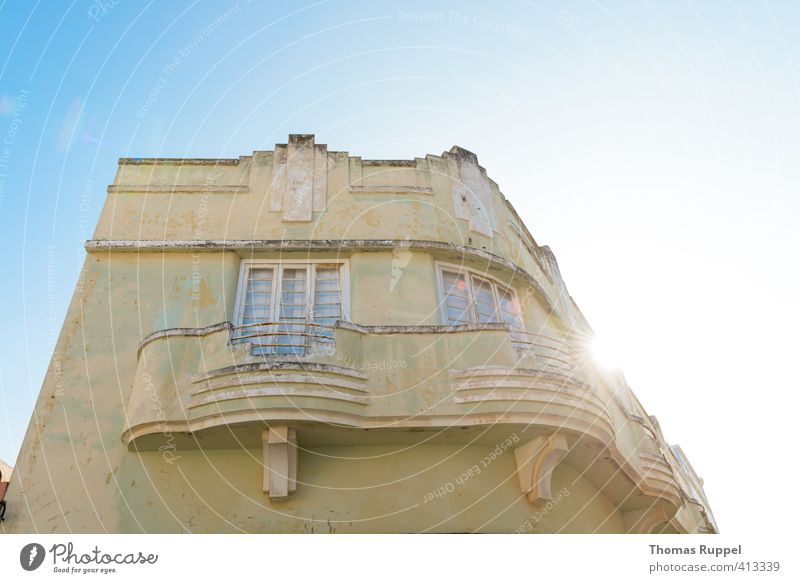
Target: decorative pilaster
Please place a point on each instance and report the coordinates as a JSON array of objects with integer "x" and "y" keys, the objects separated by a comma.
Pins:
[
  {"x": 472, "y": 193},
  {"x": 299, "y": 178}
]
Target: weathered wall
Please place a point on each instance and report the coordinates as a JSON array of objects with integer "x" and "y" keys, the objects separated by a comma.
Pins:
[
  {"x": 77, "y": 476},
  {"x": 119, "y": 443}
]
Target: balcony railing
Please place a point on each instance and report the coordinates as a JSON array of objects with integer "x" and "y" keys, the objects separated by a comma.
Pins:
[
  {"x": 297, "y": 336},
  {"x": 550, "y": 351},
  {"x": 288, "y": 336}
]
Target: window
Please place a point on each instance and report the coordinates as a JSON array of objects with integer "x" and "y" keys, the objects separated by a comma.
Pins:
[
  {"x": 468, "y": 298},
  {"x": 289, "y": 308}
]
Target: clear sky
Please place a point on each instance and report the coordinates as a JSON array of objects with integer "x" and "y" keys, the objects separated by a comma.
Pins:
[{"x": 654, "y": 146}]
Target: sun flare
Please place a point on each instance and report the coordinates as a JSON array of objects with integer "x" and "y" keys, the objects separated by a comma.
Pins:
[{"x": 606, "y": 352}]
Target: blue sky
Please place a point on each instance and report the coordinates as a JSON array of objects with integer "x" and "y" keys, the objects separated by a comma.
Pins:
[{"x": 653, "y": 146}]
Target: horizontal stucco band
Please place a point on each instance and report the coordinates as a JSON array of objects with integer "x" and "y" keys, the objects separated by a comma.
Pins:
[
  {"x": 167, "y": 332},
  {"x": 377, "y": 330},
  {"x": 178, "y": 189},
  {"x": 256, "y": 245}
]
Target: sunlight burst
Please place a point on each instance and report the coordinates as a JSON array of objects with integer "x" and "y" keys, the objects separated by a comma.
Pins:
[{"x": 606, "y": 352}]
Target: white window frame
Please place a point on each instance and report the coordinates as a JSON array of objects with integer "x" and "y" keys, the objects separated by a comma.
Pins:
[
  {"x": 278, "y": 265},
  {"x": 468, "y": 274}
]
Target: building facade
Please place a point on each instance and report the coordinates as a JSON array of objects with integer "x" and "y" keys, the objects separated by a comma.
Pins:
[
  {"x": 5, "y": 470},
  {"x": 302, "y": 340}
]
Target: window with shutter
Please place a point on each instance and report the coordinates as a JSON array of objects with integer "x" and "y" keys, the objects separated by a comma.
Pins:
[
  {"x": 289, "y": 308},
  {"x": 468, "y": 298}
]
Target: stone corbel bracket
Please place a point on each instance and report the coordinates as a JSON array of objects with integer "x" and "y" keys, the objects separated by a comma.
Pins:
[
  {"x": 279, "y": 449},
  {"x": 536, "y": 461},
  {"x": 644, "y": 520}
]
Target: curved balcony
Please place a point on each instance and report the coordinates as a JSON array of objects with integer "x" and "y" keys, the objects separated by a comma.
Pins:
[
  {"x": 305, "y": 391},
  {"x": 222, "y": 386},
  {"x": 554, "y": 399},
  {"x": 390, "y": 378}
]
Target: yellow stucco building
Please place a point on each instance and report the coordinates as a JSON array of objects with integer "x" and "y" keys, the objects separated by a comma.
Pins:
[{"x": 302, "y": 340}]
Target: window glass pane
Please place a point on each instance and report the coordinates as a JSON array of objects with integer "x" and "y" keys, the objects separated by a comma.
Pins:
[
  {"x": 508, "y": 307},
  {"x": 484, "y": 300},
  {"x": 293, "y": 311},
  {"x": 327, "y": 300},
  {"x": 258, "y": 297},
  {"x": 257, "y": 309},
  {"x": 456, "y": 298},
  {"x": 293, "y": 294}
]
